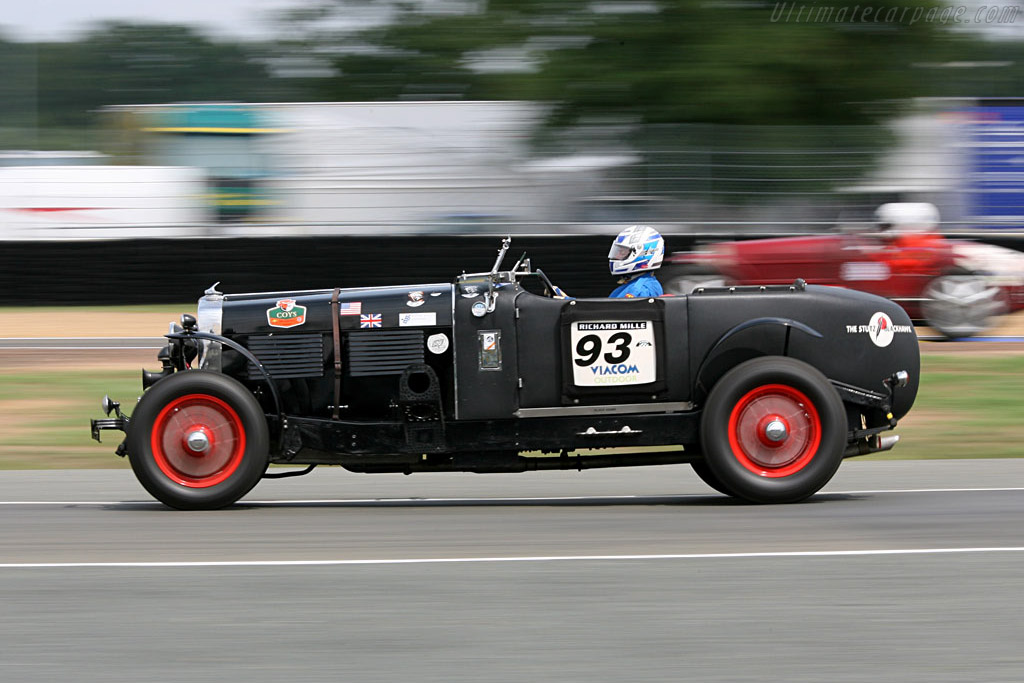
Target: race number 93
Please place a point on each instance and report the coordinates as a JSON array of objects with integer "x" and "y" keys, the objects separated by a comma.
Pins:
[{"x": 609, "y": 354}]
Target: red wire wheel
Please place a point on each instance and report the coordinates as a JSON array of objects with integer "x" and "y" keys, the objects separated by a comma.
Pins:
[
  {"x": 198, "y": 441},
  {"x": 774, "y": 430}
]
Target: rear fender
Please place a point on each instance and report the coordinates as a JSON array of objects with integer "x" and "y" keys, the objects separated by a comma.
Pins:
[{"x": 754, "y": 338}]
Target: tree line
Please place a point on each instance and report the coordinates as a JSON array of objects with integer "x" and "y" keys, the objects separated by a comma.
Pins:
[{"x": 663, "y": 61}]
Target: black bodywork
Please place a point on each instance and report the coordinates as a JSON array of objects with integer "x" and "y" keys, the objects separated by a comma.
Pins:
[{"x": 478, "y": 375}]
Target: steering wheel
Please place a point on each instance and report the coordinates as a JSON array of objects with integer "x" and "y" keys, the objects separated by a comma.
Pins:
[{"x": 549, "y": 287}]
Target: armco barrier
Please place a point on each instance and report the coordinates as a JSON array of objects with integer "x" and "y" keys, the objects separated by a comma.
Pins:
[{"x": 174, "y": 271}]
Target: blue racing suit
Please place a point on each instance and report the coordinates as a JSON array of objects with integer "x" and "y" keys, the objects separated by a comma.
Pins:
[{"x": 645, "y": 285}]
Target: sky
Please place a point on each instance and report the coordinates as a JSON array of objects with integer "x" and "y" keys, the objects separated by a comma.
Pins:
[{"x": 33, "y": 20}]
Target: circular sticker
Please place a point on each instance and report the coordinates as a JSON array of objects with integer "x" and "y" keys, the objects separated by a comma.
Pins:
[
  {"x": 880, "y": 329},
  {"x": 437, "y": 343}
]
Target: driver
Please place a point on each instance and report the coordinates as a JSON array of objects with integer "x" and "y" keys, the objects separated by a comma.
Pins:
[{"x": 635, "y": 254}]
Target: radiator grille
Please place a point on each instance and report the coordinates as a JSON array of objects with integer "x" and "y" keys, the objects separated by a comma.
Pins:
[
  {"x": 294, "y": 355},
  {"x": 387, "y": 352}
]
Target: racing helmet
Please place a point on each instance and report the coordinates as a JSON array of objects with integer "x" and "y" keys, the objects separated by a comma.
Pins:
[
  {"x": 904, "y": 217},
  {"x": 638, "y": 247}
]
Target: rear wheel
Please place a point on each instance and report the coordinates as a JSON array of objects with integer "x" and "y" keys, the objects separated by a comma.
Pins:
[
  {"x": 198, "y": 440},
  {"x": 962, "y": 304},
  {"x": 702, "y": 470},
  {"x": 773, "y": 430}
]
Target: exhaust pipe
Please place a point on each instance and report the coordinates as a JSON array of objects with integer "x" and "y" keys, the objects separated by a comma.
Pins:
[
  {"x": 872, "y": 444},
  {"x": 885, "y": 443}
]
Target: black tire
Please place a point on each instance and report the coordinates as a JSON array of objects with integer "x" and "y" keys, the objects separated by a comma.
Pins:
[
  {"x": 702, "y": 470},
  {"x": 229, "y": 431},
  {"x": 960, "y": 304},
  {"x": 683, "y": 279},
  {"x": 773, "y": 430}
]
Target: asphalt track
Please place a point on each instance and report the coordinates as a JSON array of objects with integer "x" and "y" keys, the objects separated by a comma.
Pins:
[
  {"x": 79, "y": 343},
  {"x": 898, "y": 571}
]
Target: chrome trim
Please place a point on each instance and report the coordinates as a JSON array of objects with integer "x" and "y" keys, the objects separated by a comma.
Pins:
[
  {"x": 621, "y": 409},
  {"x": 885, "y": 443},
  {"x": 455, "y": 356},
  {"x": 505, "y": 244},
  {"x": 625, "y": 431},
  {"x": 198, "y": 441},
  {"x": 776, "y": 430},
  {"x": 310, "y": 292}
]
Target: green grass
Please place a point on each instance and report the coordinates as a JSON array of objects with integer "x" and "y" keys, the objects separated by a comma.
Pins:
[
  {"x": 968, "y": 407},
  {"x": 44, "y": 417}
]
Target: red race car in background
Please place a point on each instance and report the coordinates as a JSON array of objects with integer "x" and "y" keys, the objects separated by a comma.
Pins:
[{"x": 957, "y": 287}]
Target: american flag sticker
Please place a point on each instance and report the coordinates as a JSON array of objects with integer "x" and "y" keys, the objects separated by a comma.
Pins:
[
  {"x": 370, "y": 320},
  {"x": 350, "y": 308}
]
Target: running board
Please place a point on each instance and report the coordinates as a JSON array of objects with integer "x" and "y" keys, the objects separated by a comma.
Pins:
[{"x": 620, "y": 409}]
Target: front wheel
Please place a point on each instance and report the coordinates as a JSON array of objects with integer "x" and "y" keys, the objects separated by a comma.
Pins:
[
  {"x": 773, "y": 430},
  {"x": 198, "y": 440},
  {"x": 962, "y": 304}
]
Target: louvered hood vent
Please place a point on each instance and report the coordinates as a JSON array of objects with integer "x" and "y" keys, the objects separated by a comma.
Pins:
[
  {"x": 292, "y": 355},
  {"x": 383, "y": 352}
]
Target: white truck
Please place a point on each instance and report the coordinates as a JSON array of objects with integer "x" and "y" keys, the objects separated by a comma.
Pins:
[
  {"x": 308, "y": 168},
  {"x": 101, "y": 202}
]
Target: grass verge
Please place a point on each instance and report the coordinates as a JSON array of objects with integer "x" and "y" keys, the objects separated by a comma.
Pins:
[
  {"x": 969, "y": 406},
  {"x": 44, "y": 417}
]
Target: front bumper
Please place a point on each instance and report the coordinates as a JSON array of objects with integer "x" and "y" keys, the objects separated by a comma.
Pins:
[{"x": 120, "y": 423}]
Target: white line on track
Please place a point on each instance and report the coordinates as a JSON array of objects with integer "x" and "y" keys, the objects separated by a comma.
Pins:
[
  {"x": 961, "y": 490},
  {"x": 537, "y": 558},
  {"x": 513, "y": 500}
]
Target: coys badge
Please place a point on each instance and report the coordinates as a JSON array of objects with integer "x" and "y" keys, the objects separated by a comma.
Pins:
[{"x": 287, "y": 313}]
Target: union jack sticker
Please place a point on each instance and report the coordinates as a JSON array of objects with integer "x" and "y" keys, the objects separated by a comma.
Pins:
[{"x": 370, "y": 320}]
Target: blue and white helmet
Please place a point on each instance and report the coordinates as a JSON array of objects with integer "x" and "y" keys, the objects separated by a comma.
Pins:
[{"x": 638, "y": 247}]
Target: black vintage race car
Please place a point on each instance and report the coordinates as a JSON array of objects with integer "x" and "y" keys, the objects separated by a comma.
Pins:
[{"x": 763, "y": 390}]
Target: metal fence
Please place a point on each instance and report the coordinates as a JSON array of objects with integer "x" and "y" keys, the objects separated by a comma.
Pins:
[
  {"x": 685, "y": 179},
  {"x": 784, "y": 179}
]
